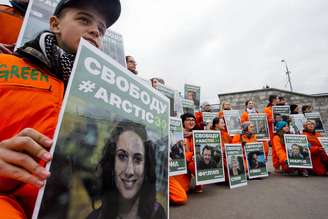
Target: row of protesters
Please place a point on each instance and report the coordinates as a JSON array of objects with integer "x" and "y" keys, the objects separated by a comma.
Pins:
[
  {"x": 179, "y": 185},
  {"x": 26, "y": 132},
  {"x": 11, "y": 19}
]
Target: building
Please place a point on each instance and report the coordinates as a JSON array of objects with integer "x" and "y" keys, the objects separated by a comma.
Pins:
[{"x": 260, "y": 96}]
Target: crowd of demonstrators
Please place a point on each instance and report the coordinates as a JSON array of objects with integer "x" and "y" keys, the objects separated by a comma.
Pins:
[{"x": 26, "y": 132}]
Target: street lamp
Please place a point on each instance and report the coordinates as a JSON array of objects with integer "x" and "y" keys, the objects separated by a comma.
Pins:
[{"x": 288, "y": 75}]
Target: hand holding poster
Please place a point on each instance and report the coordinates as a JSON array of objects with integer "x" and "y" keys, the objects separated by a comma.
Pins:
[
  {"x": 208, "y": 119},
  {"x": 261, "y": 126},
  {"x": 111, "y": 141},
  {"x": 177, "y": 159},
  {"x": 232, "y": 119},
  {"x": 318, "y": 122},
  {"x": 324, "y": 143},
  {"x": 297, "y": 150},
  {"x": 208, "y": 157},
  {"x": 192, "y": 92},
  {"x": 256, "y": 160},
  {"x": 235, "y": 165}
]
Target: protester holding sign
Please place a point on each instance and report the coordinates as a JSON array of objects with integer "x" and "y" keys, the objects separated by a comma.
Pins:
[
  {"x": 224, "y": 106},
  {"x": 11, "y": 19},
  {"x": 44, "y": 65},
  {"x": 318, "y": 154}
]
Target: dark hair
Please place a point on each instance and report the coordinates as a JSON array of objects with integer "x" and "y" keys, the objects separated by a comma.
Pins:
[
  {"x": 216, "y": 120},
  {"x": 185, "y": 116},
  {"x": 206, "y": 147},
  {"x": 127, "y": 57},
  {"x": 271, "y": 98},
  {"x": 109, "y": 191},
  {"x": 305, "y": 107}
]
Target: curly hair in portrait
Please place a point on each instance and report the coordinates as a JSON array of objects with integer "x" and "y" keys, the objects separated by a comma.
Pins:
[{"x": 108, "y": 188}]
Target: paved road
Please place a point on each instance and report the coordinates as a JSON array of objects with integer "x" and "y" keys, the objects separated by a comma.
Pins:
[{"x": 272, "y": 197}]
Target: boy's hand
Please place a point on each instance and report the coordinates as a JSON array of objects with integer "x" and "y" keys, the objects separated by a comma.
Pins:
[{"x": 19, "y": 157}]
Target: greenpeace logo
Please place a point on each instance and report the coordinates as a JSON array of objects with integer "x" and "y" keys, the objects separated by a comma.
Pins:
[{"x": 23, "y": 73}]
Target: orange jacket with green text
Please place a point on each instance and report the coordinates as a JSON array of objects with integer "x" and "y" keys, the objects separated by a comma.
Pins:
[
  {"x": 30, "y": 97},
  {"x": 318, "y": 155},
  {"x": 11, "y": 21}
]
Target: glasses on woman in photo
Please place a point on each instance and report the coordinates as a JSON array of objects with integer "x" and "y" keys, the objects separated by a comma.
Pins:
[{"x": 190, "y": 120}]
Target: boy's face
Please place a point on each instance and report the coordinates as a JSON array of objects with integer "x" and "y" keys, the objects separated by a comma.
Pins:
[{"x": 75, "y": 23}]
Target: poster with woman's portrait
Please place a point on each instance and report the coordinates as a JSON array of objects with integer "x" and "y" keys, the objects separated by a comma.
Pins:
[
  {"x": 261, "y": 126},
  {"x": 177, "y": 160},
  {"x": 297, "y": 150},
  {"x": 235, "y": 165},
  {"x": 256, "y": 161},
  {"x": 192, "y": 92},
  {"x": 296, "y": 124},
  {"x": 324, "y": 143},
  {"x": 110, "y": 152},
  {"x": 315, "y": 116},
  {"x": 232, "y": 119},
  {"x": 208, "y": 157}
]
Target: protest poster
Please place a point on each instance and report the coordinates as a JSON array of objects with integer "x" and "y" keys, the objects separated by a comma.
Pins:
[
  {"x": 208, "y": 157},
  {"x": 297, "y": 150},
  {"x": 324, "y": 143},
  {"x": 280, "y": 113},
  {"x": 256, "y": 161},
  {"x": 177, "y": 161},
  {"x": 188, "y": 106},
  {"x": 297, "y": 122},
  {"x": 109, "y": 123},
  {"x": 232, "y": 120},
  {"x": 235, "y": 165},
  {"x": 173, "y": 97},
  {"x": 261, "y": 126},
  {"x": 36, "y": 20},
  {"x": 315, "y": 116},
  {"x": 192, "y": 92},
  {"x": 208, "y": 119}
]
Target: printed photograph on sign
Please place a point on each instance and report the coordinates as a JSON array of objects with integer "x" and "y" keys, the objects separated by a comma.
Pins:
[
  {"x": 261, "y": 126},
  {"x": 172, "y": 95},
  {"x": 188, "y": 106},
  {"x": 110, "y": 147},
  {"x": 324, "y": 143},
  {"x": 208, "y": 119},
  {"x": 256, "y": 160},
  {"x": 280, "y": 113},
  {"x": 296, "y": 124},
  {"x": 208, "y": 157},
  {"x": 232, "y": 119},
  {"x": 177, "y": 161},
  {"x": 315, "y": 116},
  {"x": 235, "y": 165},
  {"x": 297, "y": 150},
  {"x": 192, "y": 92}
]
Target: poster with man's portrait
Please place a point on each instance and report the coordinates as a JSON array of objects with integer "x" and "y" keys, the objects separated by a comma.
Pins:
[
  {"x": 177, "y": 160},
  {"x": 296, "y": 124},
  {"x": 110, "y": 146},
  {"x": 232, "y": 120},
  {"x": 192, "y": 92},
  {"x": 315, "y": 116},
  {"x": 297, "y": 150},
  {"x": 256, "y": 161},
  {"x": 280, "y": 113},
  {"x": 208, "y": 157},
  {"x": 36, "y": 19},
  {"x": 260, "y": 122},
  {"x": 208, "y": 119},
  {"x": 235, "y": 165},
  {"x": 324, "y": 143}
]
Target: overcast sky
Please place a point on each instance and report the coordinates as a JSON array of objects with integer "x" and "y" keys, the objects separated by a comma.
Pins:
[{"x": 228, "y": 46}]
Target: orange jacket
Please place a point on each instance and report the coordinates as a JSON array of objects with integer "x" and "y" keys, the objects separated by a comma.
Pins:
[
  {"x": 278, "y": 147},
  {"x": 199, "y": 120},
  {"x": 318, "y": 155},
  {"x": 29, "y": 97},
  {"x": 243, "y": 139},
  {"x": 268, "y": 112},
  {"x": 11, "y": 21}
]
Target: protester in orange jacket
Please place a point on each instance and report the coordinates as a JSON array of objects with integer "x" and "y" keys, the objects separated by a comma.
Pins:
[
  {"x": 179, "y": 185},
  {"x": 318, "y": 154},
  {"x": 205, "y": 107},
  {"x": 11, "y": 19},
  {"x": 32, "y": 87}
]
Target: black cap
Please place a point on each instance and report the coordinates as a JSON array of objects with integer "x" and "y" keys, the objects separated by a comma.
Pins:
[{"x": 110, "y": 9}]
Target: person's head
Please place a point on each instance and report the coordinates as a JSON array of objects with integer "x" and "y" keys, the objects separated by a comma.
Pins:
[
  {"x": 218, "y": 124},
  {"x": 206, "y": 107},
  {"x": 282, "y": 127},
  {"x": 191, "y": 96},
  {"x": 249, "y": 104},
  {"x": 282, "y": 101},
  {"x": 21, "y": 2},
  {"x": 207, "y": 154},
  {"x": 295, "y": 150},
  {"x": 131, "y": 64},
  {"x": 188, "y": 121},
  {"x": 309, "y": 125},
  {"x": 226, "y": 106},
  {"x": 278, "y": 117},
  {"x": 294, "y": 109},
  {"x": 128, "y": 167},
  {"x": 306, "y": 108},
  {"x": 89, "y": 19},
  {"x": 234, "y": 162},
  {"x": 156, "y": 81},
  {"x": 248, "y": 127},
  {"x": 273, "y": 100},
  {"x": 254, "y": 157}
]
